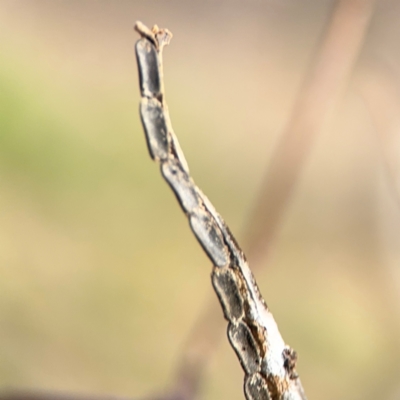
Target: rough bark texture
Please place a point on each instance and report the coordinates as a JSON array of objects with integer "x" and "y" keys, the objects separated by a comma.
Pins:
[{"x": 268, "y": 363}]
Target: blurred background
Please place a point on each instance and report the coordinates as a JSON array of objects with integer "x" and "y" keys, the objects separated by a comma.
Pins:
[{"x": 101, "y": 279}]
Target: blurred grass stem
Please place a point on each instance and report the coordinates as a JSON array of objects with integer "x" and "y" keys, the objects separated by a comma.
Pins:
[
  {"x": 322, "y": 88},
  {"x": 382, "y": 98}
]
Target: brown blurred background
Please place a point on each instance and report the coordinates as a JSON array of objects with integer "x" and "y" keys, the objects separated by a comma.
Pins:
[{"x": 100, "y": 277}]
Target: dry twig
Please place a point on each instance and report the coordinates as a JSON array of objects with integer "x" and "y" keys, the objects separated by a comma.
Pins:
[
  {"x": 320, "y": 91},
  {"x": 268, "y": 363}
]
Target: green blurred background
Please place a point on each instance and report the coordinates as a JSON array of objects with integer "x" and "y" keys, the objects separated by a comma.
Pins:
[{"x": 100, "y": 277}]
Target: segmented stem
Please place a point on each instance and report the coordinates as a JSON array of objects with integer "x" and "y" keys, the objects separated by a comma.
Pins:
[{"x": 268, "y": 364}]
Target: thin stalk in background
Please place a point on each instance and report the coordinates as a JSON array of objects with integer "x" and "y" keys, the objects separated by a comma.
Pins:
[{"x": 322, "y": 88}]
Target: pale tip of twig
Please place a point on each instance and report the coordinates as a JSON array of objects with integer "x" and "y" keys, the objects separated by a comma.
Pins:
[
  {"x": 144, "y": 31},
  {"x": 159, "y": 37}
]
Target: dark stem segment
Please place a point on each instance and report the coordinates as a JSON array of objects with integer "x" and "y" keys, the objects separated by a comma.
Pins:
[{"x": 252, "y": 330}]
